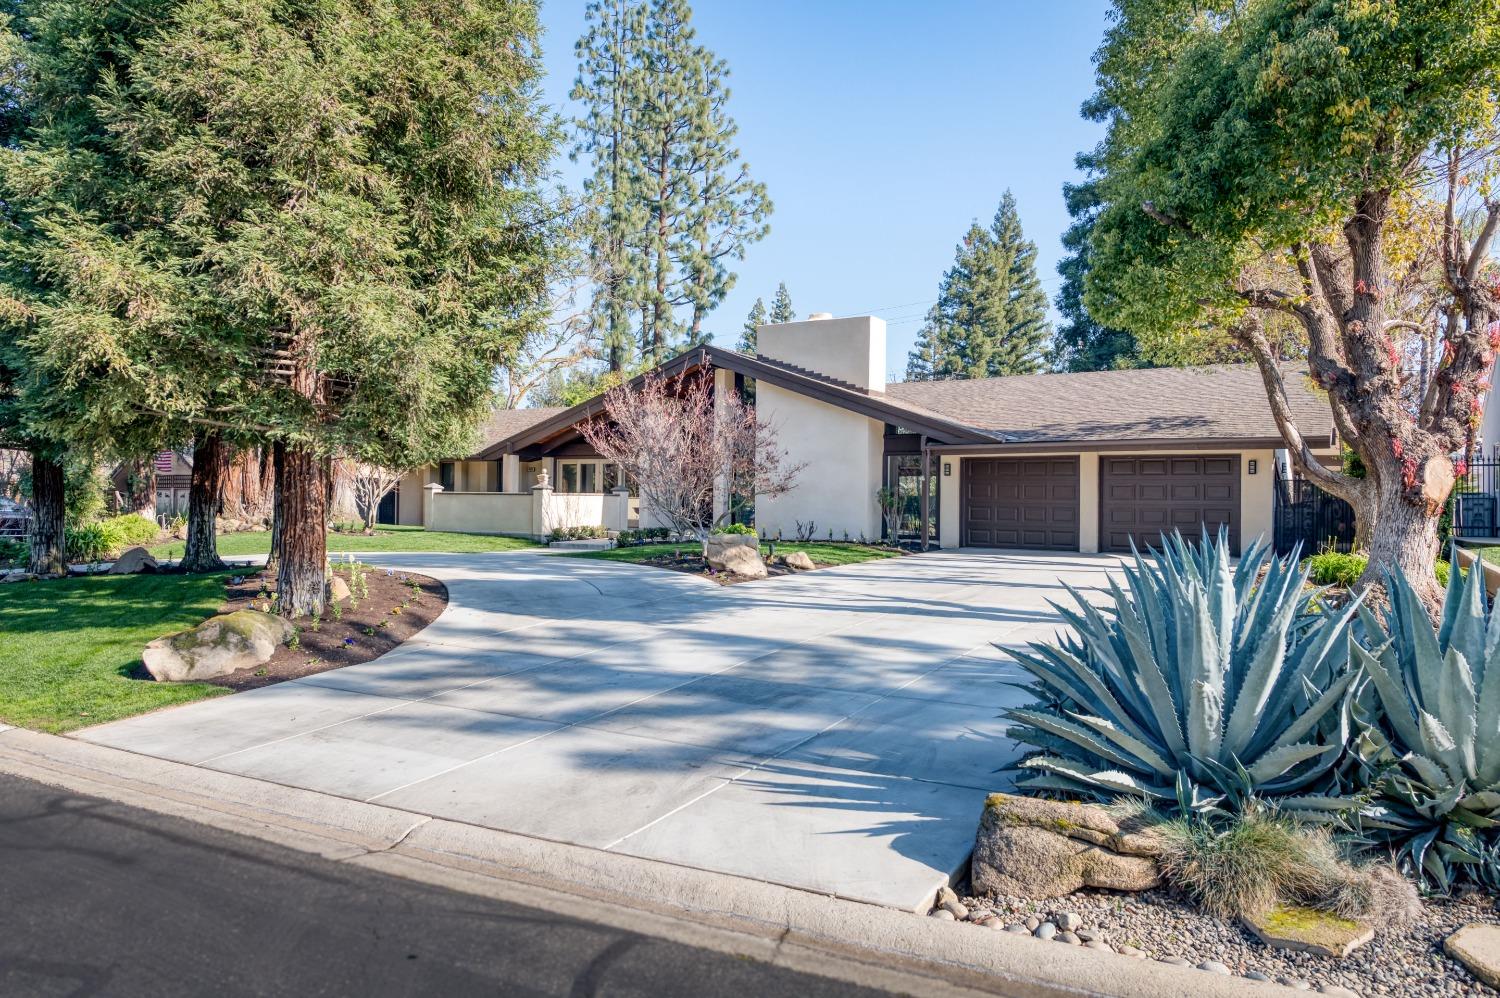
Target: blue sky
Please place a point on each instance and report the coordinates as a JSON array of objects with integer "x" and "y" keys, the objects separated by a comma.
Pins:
[{"x": 881, "y": 129}]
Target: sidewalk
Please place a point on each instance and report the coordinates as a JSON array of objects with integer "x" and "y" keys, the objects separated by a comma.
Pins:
[{"x": 859, "y": 943}]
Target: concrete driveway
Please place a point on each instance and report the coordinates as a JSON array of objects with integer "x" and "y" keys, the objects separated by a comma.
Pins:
[{"x": 834, "y": 731}]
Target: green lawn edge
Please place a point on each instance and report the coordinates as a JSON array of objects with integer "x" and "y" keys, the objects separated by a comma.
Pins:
[
  {"x": 388, "y": 538},
  {"x": 822, "y": 553}
]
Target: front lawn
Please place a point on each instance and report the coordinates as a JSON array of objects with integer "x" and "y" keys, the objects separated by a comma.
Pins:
[
  {"x": 386, "y": 538},
  {"x": 67, "y": 647},
  {"x": 821, "y": 553}
]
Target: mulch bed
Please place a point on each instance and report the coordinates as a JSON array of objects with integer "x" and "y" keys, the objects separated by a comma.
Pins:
[{"x": 398, "y": 606}]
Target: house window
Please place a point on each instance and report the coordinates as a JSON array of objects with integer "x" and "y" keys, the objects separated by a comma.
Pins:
[
  {"x": 445, "y": 475},
  {"x": 581, "y": 476}
]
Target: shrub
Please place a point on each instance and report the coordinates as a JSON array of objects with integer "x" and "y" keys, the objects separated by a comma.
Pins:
[
  {"x": 735, "y": 528},
  {"x": 1333, "y": 568},
  {"x": 88, "y": 542},
  {"x": 657, "y": 533},
  {"x": 131, "y": 530},
  {"x": 1199, "y": 686},
  {"x": 12, "y": 551},
  {"x": 1260, "y": 859},
  {"x": 1431, "y": 746}
]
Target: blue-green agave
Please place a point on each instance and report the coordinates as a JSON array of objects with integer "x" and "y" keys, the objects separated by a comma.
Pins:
[
  {"x": 1203, "y": 683},
  {"x": 1432, "y": 740}
]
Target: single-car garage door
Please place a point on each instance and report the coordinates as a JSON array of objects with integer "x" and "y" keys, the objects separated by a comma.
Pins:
[
  {"x": 1140, "y": 498},
  {"x": 1021, "y": 503}
]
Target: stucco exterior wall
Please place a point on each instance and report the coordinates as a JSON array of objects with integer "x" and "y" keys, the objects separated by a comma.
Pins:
[
  {"x": 482, "y": 513},
  {"x": 851, "y": 349},
  {"x": 409, "y": 496},
  {"x": 842, "y": 454},
  {"x": 1256, "y": 494}
]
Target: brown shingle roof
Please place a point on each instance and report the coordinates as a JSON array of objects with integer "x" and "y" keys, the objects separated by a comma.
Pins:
[
  {"x": 1154, "y": 404},
  {"x": 505, "y": 423}
]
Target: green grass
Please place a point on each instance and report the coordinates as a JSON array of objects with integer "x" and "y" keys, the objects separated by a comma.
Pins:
[
  {"x": 1490, "y": 553},
  {"x": 823, "y": 554},
  {"x": 386, "y": 538},
  {"x": 67, "y": 646}
]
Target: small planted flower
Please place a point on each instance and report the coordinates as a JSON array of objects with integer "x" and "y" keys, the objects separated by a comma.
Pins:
[{"x": 348, "y": 641}]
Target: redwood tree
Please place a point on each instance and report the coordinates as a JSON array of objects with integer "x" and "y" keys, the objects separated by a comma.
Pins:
[
  {"x": 313, "y": 225},
  {"x": 1256, "y": 153}
]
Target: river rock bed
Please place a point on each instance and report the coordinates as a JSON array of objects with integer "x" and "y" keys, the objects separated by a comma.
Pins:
[{"x": 1397, "y": 962}]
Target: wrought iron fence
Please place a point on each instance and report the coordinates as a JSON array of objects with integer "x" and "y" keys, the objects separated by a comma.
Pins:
[
  {"x": 1475, "y": 506},
  {"x": 1302, "y": 513}
]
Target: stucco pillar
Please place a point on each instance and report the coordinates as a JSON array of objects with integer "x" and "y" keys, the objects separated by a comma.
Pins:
[
  {"x": 617, "y": 509},
  {"x": 723, "y": 388},
  {"x": 510, "y": 473},
  {"x": 541, "y": 500},
  {"x": 429, "y": 497}
]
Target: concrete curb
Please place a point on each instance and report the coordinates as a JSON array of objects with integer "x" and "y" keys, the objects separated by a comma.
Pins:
[{"x": 828, "y": 936}]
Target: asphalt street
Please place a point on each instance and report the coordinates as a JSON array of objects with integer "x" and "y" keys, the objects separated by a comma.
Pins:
[{"x": 97, "y": 898}]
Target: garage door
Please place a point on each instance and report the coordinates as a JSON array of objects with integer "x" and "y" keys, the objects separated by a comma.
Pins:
[
  {"x": 1021, "y": 503},
  {"x": 1140, "y": 498}
]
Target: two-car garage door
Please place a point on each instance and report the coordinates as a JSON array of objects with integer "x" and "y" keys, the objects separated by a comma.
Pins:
[{"x": 1034, "y": 502}]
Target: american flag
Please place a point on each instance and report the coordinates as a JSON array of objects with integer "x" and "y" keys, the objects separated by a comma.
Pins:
[{"x": 164, "y": 462}]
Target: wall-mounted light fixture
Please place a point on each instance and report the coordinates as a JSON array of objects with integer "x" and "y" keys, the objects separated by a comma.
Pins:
[
  {"x": 947, "y": 468},
  {"x": 1252, "y": 466}
]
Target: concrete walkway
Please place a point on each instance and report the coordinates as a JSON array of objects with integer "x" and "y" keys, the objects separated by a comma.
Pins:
[{"x": 834, "y": 731}]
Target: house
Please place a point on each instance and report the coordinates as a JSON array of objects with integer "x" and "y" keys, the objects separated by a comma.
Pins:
[{"x": 1067, "y": 462}]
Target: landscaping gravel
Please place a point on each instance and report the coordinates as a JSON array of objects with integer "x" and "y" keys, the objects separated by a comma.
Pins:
[{"x": 1164, "y": 927}]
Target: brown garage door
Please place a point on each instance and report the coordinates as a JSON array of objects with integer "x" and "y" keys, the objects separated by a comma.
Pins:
[
  {"x": 1021, "y": 503},
  {"x": 1140, "y": 498}
]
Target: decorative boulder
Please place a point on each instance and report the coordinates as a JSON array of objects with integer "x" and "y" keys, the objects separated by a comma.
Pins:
[
  {"x": 1044, "y": 849},
  {"x": 800, "y": 561},
  {"x": 717, "y": 544},
  {"x": 218, "y": 646},
  {"x": 133, "y": 561},
  {"x": 742, "y": 561},
  {"x": 17, "y": 575},
  {"x": 338, "y": 589}
]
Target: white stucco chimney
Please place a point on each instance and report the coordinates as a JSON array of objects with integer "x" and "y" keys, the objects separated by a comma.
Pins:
[{"x": 850, "y": 349}]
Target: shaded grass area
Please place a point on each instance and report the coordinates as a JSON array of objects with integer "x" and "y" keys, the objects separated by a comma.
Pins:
[
  {"x": 67, "y": 647},
  {"x": 387, "y": 538},
  {"x": 822, "y": 554},
  {"x": 1490, "y": 553}
]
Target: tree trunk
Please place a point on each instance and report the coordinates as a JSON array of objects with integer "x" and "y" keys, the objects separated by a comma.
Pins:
[
  {"x": 48, "y": 552},
  {"x": 1404, "y": 538},
  {"x": 302, "y": 505},
  {"x": 278, "y": 463},
  {"x": 202, "y": 552},
  {"x": 141, "y": 488}
]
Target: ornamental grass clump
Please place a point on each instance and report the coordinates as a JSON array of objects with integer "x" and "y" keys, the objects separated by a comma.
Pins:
[
  {"x": 1200, "y": 683},
  {"x": 1431, "y": 733}
]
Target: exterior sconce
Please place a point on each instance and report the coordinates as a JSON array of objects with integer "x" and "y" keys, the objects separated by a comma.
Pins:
[
  {"x": 947, "y": 468},
  {"x": 1252, "y": 466}
]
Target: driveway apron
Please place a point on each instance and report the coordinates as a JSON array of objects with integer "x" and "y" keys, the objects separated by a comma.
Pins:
[{"x": 835, "y": 731}]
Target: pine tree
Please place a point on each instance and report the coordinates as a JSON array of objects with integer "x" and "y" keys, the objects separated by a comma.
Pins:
[
  {"x": 990, "y": 319},
  {"x": 781, "y": 305},
  {"x": 312, "y": 225},
  {"x": 607, "y": 85},
  {"x": 757, "y": 317},
  {"x": 683, "y": 205},
  {"x": 1080, "y": 343}
]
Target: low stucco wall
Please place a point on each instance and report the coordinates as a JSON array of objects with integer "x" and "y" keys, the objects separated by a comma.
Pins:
[
  {"x": 1255, "y": 493},
  {"x": 841, "y": 452},
  {"x": 482, "y": 513}
]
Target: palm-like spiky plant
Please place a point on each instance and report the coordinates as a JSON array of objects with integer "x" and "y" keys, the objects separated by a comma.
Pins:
[
  {"x": 1203, "y": 683},
  {"x": 1433, "y": 746}
]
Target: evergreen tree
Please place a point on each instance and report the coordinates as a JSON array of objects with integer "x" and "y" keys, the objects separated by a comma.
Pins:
[
  {"x": 314, "y": 225},
  {"x": 781, "y": 305},
  {"x": 607, "y": 85},
  {"x": 757, "y": 317},
  {"x": 681, "y": 204},
  {"x": 1081, "y": 344},
  {"x": 990, "y": 318}
]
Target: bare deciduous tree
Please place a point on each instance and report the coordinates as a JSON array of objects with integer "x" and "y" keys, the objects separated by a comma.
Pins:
[
  {"x": 372, "y": 483},
  {"x": 683, "y": 446}
]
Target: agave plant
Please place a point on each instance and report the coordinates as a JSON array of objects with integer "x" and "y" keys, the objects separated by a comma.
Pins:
[
  {"x": 1204, "y": 683},
  {"x": 1433, "y": 746}
]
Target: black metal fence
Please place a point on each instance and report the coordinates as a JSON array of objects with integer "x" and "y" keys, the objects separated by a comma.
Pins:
[
  {"x": 1476, "y": 496},
  {"x": 1302, "y": 513}
]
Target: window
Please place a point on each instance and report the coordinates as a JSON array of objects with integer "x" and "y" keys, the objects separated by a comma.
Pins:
[
  {"x": 445, "y": 475},
  {"x": 583, "y": 476}
]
